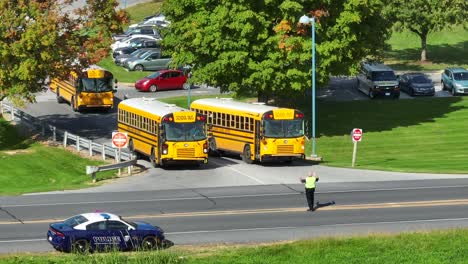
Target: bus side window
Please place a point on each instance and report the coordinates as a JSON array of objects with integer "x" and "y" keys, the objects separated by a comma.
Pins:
[
  {"x": 237, "y": 122},
  {"x": 242, "y": 126}
]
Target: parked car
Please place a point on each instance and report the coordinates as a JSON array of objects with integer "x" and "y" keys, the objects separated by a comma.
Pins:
[
  {"x": 151, "y": 61},
  {"x": 416, "y": 84},
  {"x": 376, "y": 79},
  {"x": 128, "y": 41},
  {"x": 139, "y": 44},
  {"x": 103, "y": 231},
  {"x": 162, "y": 80},
  {"x": 455, "y": 80},
  {"x": 119, "y": 60},
  {"x": 158, "y": 20},
  {"x": 140, "y": 29}
]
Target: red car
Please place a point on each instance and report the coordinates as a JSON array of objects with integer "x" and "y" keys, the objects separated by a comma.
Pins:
[{"x": 162, "y": 80}]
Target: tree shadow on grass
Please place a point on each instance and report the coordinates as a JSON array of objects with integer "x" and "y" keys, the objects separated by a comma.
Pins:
[
  {"x": 10, "y": 139},
  {"x": 409, "y": 59},
  {"x": 338, "y": 118}
]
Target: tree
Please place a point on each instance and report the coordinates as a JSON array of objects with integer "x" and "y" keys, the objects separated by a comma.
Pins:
[
  {"x": 257, "y": 47},
  {"x": 425, "y": 16},
  {"x": 39, "y": 39}
]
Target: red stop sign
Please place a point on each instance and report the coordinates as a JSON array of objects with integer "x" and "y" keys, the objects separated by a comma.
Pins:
[
  {"x": 356, "y": 134},
  {"x": 119, "y": 140}
]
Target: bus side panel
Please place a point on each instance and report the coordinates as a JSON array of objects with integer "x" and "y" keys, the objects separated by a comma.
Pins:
[
  {"x": 143, "y": 142},
  {"x": 66, "y": 91},
  {"x": 232, "y": 140}
]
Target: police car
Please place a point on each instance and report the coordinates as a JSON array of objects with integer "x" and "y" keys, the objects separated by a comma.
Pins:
[{"x": 102, "y": 231}]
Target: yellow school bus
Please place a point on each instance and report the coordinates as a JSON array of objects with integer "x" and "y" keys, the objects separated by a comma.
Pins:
[
  {"x": 90, "y": 88},
  {"x": 163, "y": 132},
  {"x": 257, "y": 132}
]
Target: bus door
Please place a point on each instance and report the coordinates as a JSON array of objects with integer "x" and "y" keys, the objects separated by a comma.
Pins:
[{"x": 257, "y": 139}]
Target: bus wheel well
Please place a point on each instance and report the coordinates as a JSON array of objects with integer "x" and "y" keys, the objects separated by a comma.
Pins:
[
  {"x": 152, "y": 158},
  {"x": 247, "y": 154}
]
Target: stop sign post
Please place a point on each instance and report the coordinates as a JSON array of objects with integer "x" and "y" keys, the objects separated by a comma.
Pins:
[
  {"x": 119, "y": 141},
  {"x": 356, "y": 136}
]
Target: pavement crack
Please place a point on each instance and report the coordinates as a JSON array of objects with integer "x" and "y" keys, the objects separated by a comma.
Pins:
[
  {"x": 289, "y": 187},
  {"x": 11, "y": 215},
  {"x": 208, "y": 198}
]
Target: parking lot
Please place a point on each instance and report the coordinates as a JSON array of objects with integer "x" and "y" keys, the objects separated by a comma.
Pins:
[{"x": 344, "y": 89}]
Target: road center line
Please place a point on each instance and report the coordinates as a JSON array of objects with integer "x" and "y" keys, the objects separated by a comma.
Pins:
[{"x": 276, "y": 210}]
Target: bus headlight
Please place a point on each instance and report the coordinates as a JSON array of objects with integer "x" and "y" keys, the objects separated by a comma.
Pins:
[
  {"x": 165, "y": 149},
  {"x": 205, "y": 147}
]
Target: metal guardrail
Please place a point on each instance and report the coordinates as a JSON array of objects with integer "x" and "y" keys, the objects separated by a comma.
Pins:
[
  {"x": 95, "y": 169},
  {"x": 54, "y": 134}
]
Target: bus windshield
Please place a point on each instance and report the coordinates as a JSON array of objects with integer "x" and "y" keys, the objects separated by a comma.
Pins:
[
  {"x": 96, "y": 85},
  {"x": 185, "y": 131},
  {"x": 283, "y": 128}
]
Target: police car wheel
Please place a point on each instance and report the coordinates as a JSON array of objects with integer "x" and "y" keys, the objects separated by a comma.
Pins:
[
  {"x": 81, "y": 246},
  {"x": 149, "y": 242}
]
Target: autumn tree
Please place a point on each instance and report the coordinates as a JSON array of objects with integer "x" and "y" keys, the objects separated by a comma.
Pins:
[
  {"x": 258, "y": 47},
  {"x": 425, "y": 16},
  {"x": 40, "y": 39}
]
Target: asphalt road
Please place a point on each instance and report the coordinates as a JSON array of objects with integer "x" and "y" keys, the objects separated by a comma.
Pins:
[{"x": 248, "y": 214}]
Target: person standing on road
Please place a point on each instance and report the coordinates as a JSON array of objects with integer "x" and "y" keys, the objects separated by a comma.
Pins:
[{"x": 309, "y": 182}]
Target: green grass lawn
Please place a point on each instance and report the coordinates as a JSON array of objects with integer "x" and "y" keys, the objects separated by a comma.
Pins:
[
  {"x": 411, "y": 248},
  {"x": 423, "y": 135},
  {"x": 139, "y": 11},
  {"x": 447, "y": 48},
  {"x": 29, "y": 166}
]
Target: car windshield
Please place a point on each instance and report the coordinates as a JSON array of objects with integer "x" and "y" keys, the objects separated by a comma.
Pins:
[
  {"x": 420, "y": 79},
  {"x": 124, "y": 39},
  {"x": 153, "y": 75},
  {"x": 96, "y": 85},
  {"x": 143, "y": 54},
  {"x": 461, "y": 76},
  {"x": 137, "y": 52},
  {"x": 283, "y": 128},
  {"x": 185, "y": 131},
  {"x": 383, "y": 76},
  {"x": 129, "y": 222},
  {"x": 75, "y": 220}
]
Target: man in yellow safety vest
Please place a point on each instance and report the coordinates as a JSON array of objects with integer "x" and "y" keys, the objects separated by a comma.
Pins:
[{"x": 310, "y": 181}]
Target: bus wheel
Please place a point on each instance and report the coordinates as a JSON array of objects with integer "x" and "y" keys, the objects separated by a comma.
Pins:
[
  {"x": 72, "y": 104},
  {"x": 59, "y": 98},
  {"x": 246, "y": 155},
  {"x": 153, "y": 88},
  {"x": 153, "y": 159}
]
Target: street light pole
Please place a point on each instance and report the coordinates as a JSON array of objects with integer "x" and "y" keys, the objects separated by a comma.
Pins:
[{"x": 306, "y": 20}]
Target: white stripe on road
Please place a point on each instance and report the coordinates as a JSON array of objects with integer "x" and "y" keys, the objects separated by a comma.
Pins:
[
  {"x": 317, "y": 226},
  {"x": 238, "y": 171},
  {"x": 277, "y": 228},
  {"x": 23, "y": 240}
]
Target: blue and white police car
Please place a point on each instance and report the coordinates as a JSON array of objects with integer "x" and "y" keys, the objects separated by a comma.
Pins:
[{"x": 103, "y": 231}]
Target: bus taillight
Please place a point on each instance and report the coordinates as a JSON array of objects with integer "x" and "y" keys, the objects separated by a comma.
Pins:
[
  {"x": 165, "y": 148},
  {"x": 299, "y": 115},
  {"x": 205, "y": 147}
]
